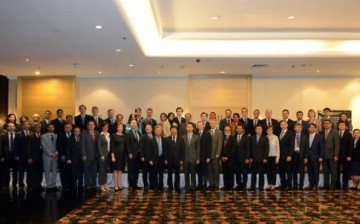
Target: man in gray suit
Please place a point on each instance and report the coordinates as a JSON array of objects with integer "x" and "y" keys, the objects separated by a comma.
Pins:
[
  {"x": 214, "y": 160},
  {"x": 89, "y": 154},
  {"x": 192, "y": 156},
  {"x": 331, "y": 154},
  {"x": 50, "y": 157}
]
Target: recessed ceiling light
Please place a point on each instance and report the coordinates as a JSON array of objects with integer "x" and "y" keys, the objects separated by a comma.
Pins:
[
  {"x": 27, "y": 59},
  {"x": 118, "y": 50},
  {"x": 99, "y": 72},
  {"x": 37, "y": 72},
  {"x": 131, "y": 65},
  {"x": 318, "y": 71},
  {"x": 215, "y": 17},
  {"x": 222, "y": 72},
  {"x": 291, "y": 17},
  {"x": 99, "y": 27}
]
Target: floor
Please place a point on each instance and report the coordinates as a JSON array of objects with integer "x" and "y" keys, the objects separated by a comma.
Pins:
[{"x": 217, "y": 207}]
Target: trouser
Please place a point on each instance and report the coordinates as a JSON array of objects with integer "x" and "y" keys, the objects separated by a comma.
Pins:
[
  {"x": 133, "y": 171},
  {"x": 77, "y": 174},
  {"x": 149, "y": 170},
  {"x": 298, "y": 167},
  {"x": 214, "y": 172},
  {"x": 202, "y": 171},
  {"x": 241, "y": 169},
  {"x": 257, "y": 168},
  {"x": 50, "y": 168},
  {"x": 65, "y": 174},
  {"x": 103, "y": 170},
  {"x": 11, "y": 163},
  {"x": 329, "y": 168},
  {"x": 344, "y": 167},
  {"x": 313, "y": 172},
  {"x": 228, "y": 173},
  {"x": 285, "y": 172},
  {"x": 172, "y": 168},
  {"x": 34, "y": 174},
  {"x": 90, "y": 170},
  {"x": 190, "y": 169},
  {"x": 159, "y": 173},
  {"x": 271, "y": 170},
  {"x": 18, "y": 174}
]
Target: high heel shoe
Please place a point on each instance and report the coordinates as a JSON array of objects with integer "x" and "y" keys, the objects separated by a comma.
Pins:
[
  {"x": 106, "y": 187},
  {"x": 102, "y": 188}
]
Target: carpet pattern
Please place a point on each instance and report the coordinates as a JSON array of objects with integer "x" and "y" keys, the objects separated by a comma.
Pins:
[{"x": 219, "y": 207}]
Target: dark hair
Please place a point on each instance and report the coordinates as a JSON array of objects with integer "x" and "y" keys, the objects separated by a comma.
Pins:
[
  {"x": 327, "y": 108},
  {"x": 326, "y": 120},
  {"x": 347, "y": 123},
  {"x": 270, "y": 126},
  {"x": 164, "y": 115},
  {"x": 285, "y": 110},
  {"x": 103, "y": 124},
  {"x": 123, "y": 131},
  {"x": 282, "y": 121},
  {"x": 67, "y": 116},
  {"x": 241, "y": 125},
  {"x": 50, "y": 124},
  {"x": 59, "y": 110},
  {"x": 258, "y": 125},
  {"x": 130, "y": 118},
  {"x": 8, "y": 116},
  {"x": 173, "y": 127},
  {"x": 82, "y": 105},
  {"x": 341, "y": 122},
  {"x": 356, "y": 130},
  {"x": 204, "y": 113},
  {"x": 179, "y": 108},
  {"x": 169, "y": 114},
  {"x": 23, "y": 116},
  {"x": 150, "y": 109},
  {"x": 137, "y": 110},
  {"x": 236, "y": 114},
  {"x": 312, "y": 124},
  {"x": 94, "y": 107},
  {"x": 257, "y": 110},
  {"x": 299, "y": 112}
]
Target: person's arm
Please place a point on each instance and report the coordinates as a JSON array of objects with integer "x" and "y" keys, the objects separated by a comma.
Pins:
[
  {"x": 336, "y": 145},
  {"x": 69, "y": 149},
  {"x": 83, "y": 146},
  {"x": 266, "y": 145},
  {"x": 99, "y": 146},
  {"x": 197, "y": 149},
  {"x": 220, "y": 143},
  {"x": 44, "y": 146}
]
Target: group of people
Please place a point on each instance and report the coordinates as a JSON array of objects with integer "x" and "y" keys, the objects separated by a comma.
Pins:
[{"x": 85, "y": 150}]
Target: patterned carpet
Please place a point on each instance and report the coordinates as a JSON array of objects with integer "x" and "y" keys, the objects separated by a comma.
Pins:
[{"x": 219, "y": 207}]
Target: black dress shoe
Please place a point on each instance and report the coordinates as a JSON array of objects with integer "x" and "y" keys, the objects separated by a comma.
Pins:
[
  {"x": 178, "y": 190},
  {"x": 169, "y": 190},
  {"x": 146, "y": 189}
]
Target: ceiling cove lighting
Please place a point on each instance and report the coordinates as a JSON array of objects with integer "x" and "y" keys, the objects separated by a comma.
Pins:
[
  {"x": 291, "y": 17},
  {"x": 154, "y": 43},
  {"x": 98, "y": 27}
]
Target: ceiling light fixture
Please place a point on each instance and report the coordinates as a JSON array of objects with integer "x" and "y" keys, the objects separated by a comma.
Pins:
[
  {"x": 131, "y": 65},
  {"x": 99, "y": 72},
  {"x": 222, "y": 72},
  {"x": 215, "y": 17},
  {"x": 291, "y": 17},
  {"x": 37, "y": 71},
  {"x": 27, "y": 59},
  {"x": 118, "y": 50},
  {"x": 99, "y": 27},
  {"x": 318, "y": 71}
]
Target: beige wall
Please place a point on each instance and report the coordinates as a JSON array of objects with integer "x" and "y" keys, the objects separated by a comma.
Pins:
[{"x": 303, "y": 93}]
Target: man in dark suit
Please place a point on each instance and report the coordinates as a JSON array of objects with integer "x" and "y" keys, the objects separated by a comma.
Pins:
[
  {"x": 149, "y": 157},
  {"x": 258, "y": 157},
  {"x": 183, "y": 130},
  {"x": 73, "y": 155},
  {"x": 313, "y": 156},
  {"x": 34, "y": 160},
  {"x": 346, "y": 149},
  {"x": 62, "y": 145},
  {"x": 286, "y": 152},
  {"x": 134, "y": 155},
  {"x": 192, "y": 156},
  {"x": 82, "y": 119},
  {"x": 327, "y": 116},
  {"x": 22, "y": 145},
  {"x": 331, "y": 154},
  {"x": 256, "y": 120},
  {"x": 70, "y": 119},
  {"x": 149, "y": 120},
  {"x": 59, "y": 122},
  {"x": 304, "y": 124},
  {"x": 269, "y": 121},
  {"x": 178, "y": 118},
  {"x": 228, "y": 159},
  {"x": 160, "y": 147},
  {"x": 226, "y": 121},
  {"x": 95, "y": 116},
  {"x": 47, "y": 120},
  {"x": 8, "y": 158},
  {"x": 298, "y": 157},
  {"x": 214, "y": 160},
  {"x": 205, "y": 154},
  {"x": 174, "y": 158},
  {"x": 89, "y": 154},
  {"x": 138, "y": 116},
  {"x": 111, "y": 120},
  {"x": 242, "y": 157},
  {"x": 248, "y": 123},
  {"x": 204, "y": 119},
  {"x": 285, "y": 117}
]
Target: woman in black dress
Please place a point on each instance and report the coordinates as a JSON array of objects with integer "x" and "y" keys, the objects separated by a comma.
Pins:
[
  {"x": 355, "y": 161},
  {"x": 118, "y": 155}
]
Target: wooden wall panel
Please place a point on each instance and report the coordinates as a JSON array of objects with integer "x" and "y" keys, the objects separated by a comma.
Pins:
[{"x": 35, "y": 95}]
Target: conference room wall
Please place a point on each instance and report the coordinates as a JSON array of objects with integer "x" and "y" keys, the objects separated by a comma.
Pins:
[{"x": 302, "y": 93}]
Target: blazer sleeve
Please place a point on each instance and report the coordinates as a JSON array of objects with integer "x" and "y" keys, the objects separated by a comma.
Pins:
[
  {"x": 182, "y": 149},
  {"x": 1, "y": 146},
  {"x": 83, "y": 145},
  {"x": 350, "y": 145},
  {"x": 17, "y": 144},
  {"x": 141, "y": 146},
  {"x": 44, "y": 146},
  {"x": 68, "y": 149},
  {"x": 220, "y": 143},
  {"x": 266, "y": 142},
  {"x": 336, "y": 144},
  {"x": 208, "y": 145},
  {"x": 198, "y": 148},
  {"x": 248, "y": 148},
  {"x": 112, "y": 144},
  {"x": 99, "y": 146}
]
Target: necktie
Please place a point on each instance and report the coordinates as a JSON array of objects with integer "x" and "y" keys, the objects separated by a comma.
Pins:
[
  {"x": 179, "y": 118},
  {"x": 311, "y": 140},
  {"x": 238, "y": 139},
  {"x": 77, "y": 139},
  {"x": 173, "y": 139},
  {"x": 255, "y": 122},
  {"x": 257, "y": 138},
  {"x": 92, "y": 136},
  {"x": 136, "y": 135},
  {"x": 326, "y": 133},
  {"x": 160, "y": 145},
  {"x": 297, "y": 141},
  {"x": 150, "y": 136},
  {"x": 340, "y": 134},
  {"x": 228, "y": 121},
  {"x": 83, "y": 119},
  {"x": 269, "y": 123},
  {"x": 150, "y": 121},
  {"x": 189, "y": 139},
  {"x": 97, "y": 121},
  {"x": 11, "y": 146},
  {"x": 60, "y": 121},
  {"x": 200, "y": 133},
  {"x": 282, "y": 134},
  {"x": 245, "y": 121},
  {"x": 212, "y": 132},
  {"x": 52, "y": 138}
]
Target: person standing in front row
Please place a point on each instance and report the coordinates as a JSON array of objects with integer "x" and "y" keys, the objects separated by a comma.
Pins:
[
  {"x": 214, "y": 163},
  {"x": 134, "y": 155},
  {"x": 273, "y": 159},
  {"x": 259, "y": 156},
  {"x": 148, "y": 157},
  {"x": 242, "y": 160},
  {"x": 355, "y": 161},
  {"x": 104, "y": 155},
  {"x": 331, "y": 154},
  {"x": 228, "y": 158},
  {"x": 73, "y": 154},
  {"x": 160, "y": 147},
  {"x": 298, "y": 157},
  {"x": 34, "y": 160},
  {"x": 192, "y": 156},
  {"x": 346, "y": 148},
  {"x": 174, "y": 158},
  {"x": 205, "y": 150},
  {"x": 286, "y": 152},
  {"x": 50, "y": 157},
  {"x": 118, "y": 149},
  {"x": 89, "y": 154}
]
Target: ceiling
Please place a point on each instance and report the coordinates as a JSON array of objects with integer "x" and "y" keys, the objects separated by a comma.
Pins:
[{"x": 60, "y": 38}]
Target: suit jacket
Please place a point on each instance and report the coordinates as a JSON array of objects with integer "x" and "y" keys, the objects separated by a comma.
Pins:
[
  {"x": 182, "y": 129},
  {"x": 35, "y": 151},
  {"x": 48, "y": 146},
  {"x": 175, "y": 152},
  {"x": 259, "y": 150},
  {"x": 243, "y": 148},
  {"x": 132, "y": 144},
  {"x": 287, "y": 144},
  {"x": 302, "y": 145},
  {"x": 248, "y": 126},
  {"x": 149, "y": 151},
  {"x": 205, "y": 142},
  {"x": 21, "y": 144},
  {"x": 192, "y": 150},
  {"x": 103, "y": 146},
  {"x": 291, "y": 125},
  {"x": 88, "y": 146},
  {"x": 164, "y": 146},
  {"x": 176, "y": 120},
  {"x": 73, "y": 150},
  {"x": 304, "y": 125},
  {"x": 62, "y": 143},
  {"x": 112, "y": 127},
  {"x": 316, "y": 149},
  {"x": 223, "y": 123},
  {"x": 356, "y": 151},
  {"x": 4, "y": 150},
  {"x": 275, "y": 125},
  {"x": 44, "y": 126},
  {"x": 331, "y": 144},
  {"x": 346, "y": 145},
  {"x": 98, "y": 123},
  {"x": 145, "y": 122},
  {"x": 207, "y": 126},
  {"x": 229, "y": 148},
  {"x": 253, "y": 124},
  {"x": 59, "y": 126},
  {"x": 216, "y": 143},
  {"x": 79, "y": 123}
]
